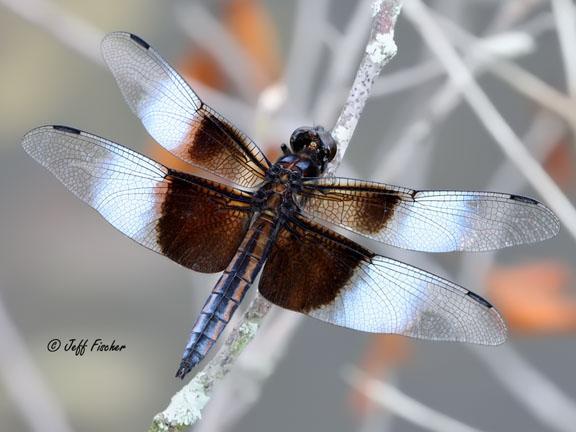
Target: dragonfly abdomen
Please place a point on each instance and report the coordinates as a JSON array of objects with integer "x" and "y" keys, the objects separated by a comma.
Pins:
[{"x": 228, "y": 293}]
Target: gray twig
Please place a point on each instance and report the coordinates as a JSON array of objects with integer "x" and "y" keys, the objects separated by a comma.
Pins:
[
  {"x": 25, "y": 383},
  {"x": 392, "y": 399},
  {"x": 187, "y": 405},
  {"x": 495, "y": 124}
]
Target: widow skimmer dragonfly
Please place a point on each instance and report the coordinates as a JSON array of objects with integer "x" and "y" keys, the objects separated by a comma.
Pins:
[{"x": 276, "y": 218}]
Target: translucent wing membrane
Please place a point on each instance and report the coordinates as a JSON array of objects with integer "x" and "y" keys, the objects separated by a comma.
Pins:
[
  {"x": 317, "y": 272},
  {"x": 193, "y": 221},
  {"x": 431, "y": 221},
  {"x": 176, "y": 117}
]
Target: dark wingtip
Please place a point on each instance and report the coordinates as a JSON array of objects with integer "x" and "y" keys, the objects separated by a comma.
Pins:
[
  {"x": 479, "y": 299},
  {"x": 523, "y": 199},
  {"x": 67, "y": 129},
  {"x": 553, "y": 222},
  {"x": 139, "y": 41}
]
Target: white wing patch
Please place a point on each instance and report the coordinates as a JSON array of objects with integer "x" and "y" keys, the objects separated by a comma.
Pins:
[
  {"x": 387, "y": 296},
  {"x": 119, "y": 183},
  {"x": 429, "y": 221},
  {"x": 153, "y": 90}
]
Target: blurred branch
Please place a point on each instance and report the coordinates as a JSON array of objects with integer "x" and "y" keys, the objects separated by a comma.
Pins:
[
  {"x": 544, "y": 135},
  {"x": 337, "y": 75},
  {"x": 84, "y": 38},
  {"x": 71, "y": 30},
  {"x": 513, "y": 372},
  {"x": 514, "y": 43},
  {"x": 392, "y": 399},
  {"x": 543, "y": 399},
  {"x": 540, "y": 23},
  {"x": 261, "y": 358},
  {"x": 305, "y": 50},
  {"x": 511, "y": 12},
  {"x": 502, "y": 133},
  {"x": 504, "y": 45},
  {"x": 237, "y": 394},
  {"x": 407, "y": 78},
  {"x": 518, "y": 78},
  {"x": 379, "y": 51},
  {"x": 505, "y": 362},
  {"x": 448, "y": 97},
  {"x": 208, "y": 33},
  {"x": 419, "y": 130},
  {"x": 559, "y": 416},
  {"x": 261, "y": 366},
  {"x": 24, "y": 382},
  {"x": 187, "y": 405},
  {"x": 565, "y": 15}
]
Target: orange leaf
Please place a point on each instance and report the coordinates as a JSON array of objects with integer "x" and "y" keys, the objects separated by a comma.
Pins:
[
  {"x": 251, "y": 25},
  {"x": 559, "y": 162},
  {"x": 533, "y": 298}
]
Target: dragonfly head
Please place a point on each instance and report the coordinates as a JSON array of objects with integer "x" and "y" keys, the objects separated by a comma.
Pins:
[{"x": 315, "y": 142}]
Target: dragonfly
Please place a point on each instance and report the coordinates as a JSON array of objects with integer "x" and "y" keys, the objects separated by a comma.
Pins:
[{"x": 282, "y": 220}]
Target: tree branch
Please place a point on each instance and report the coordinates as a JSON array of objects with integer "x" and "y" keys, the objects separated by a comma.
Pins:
[
  {"x": 186, "y": 406},
  {"x": 379, "y": 51},
  {"x": 392, "y": 399},
  {"x": 493, "y": 121},
  {"x": 24, "y": 382},
  {"x": 205, "y": 30},
  {"x": 515, "y": 76},
  {"x": 69, "y": 29},
  {"x": 565, "y": 15}
]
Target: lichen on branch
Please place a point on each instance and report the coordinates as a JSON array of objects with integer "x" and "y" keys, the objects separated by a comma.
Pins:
[{"x": 186, "y": 406}]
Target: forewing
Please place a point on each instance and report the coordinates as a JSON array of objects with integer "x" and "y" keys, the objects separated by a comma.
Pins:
[
  {"x": 176, "y": 117},
  {"x": 431, "y": 221},
  {"x": 193, "y": 221},
  {"x": 320, "y": 273}
]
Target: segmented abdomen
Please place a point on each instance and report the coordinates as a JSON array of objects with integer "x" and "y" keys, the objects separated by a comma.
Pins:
[{"x": 228, "y": 293}]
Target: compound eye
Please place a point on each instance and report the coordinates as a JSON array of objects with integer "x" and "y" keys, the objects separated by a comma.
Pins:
[
  {"x": 329, "y": 144},
  {"x": 300, "y": 139}
]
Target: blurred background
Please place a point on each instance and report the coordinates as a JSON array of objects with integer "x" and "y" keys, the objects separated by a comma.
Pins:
[{"x": 270, "y": 66}]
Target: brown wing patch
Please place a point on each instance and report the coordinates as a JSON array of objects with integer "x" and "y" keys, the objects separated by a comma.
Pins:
[
  {"x": 360, "y": 206},
  {"x": 196, "y": 222},
  {"x": 429, "y": 221},
  {"x": 320, "y": 273},
  {"x": 308, "y": 266},
  {"x": 176, "y": 117},
  {"x": 214, "y": 144},
  {"x": 202, "y": 222}
]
